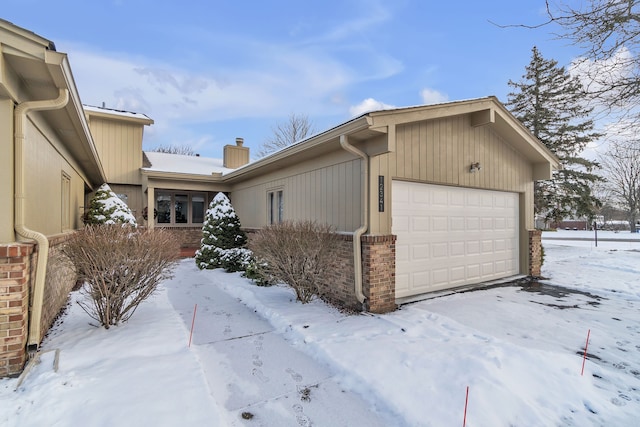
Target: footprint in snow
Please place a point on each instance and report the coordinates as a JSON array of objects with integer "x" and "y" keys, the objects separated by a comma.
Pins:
[
  {"x": 301, "y": 418},
  {"x": 294, "y": 375},
  {"x": 259, "y": 375},
  {"x": 256, "y": 360}
]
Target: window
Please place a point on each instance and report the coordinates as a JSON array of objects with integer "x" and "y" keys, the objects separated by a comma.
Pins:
[
  {"x": 197, "y": 207},
  {"x": 275, "y": 206},
  {"x": 65, "y": 213},
  {"x": 180, "y": 208}
]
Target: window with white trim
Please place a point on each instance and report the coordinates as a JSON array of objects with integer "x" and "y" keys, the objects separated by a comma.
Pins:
[{"x": 275, "y": 206}]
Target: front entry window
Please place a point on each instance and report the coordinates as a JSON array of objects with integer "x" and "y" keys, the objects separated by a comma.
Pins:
[
  {"x": 197, "y": 205},
  {"x": 163, "y": 202},
  {"x": 180, "y": 208}
]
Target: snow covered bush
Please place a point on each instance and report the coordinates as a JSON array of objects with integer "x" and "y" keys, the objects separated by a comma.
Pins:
[
  {"x": 107, "y": 208},
  {"x": 222, "y": 238},
  {"x": 298, "y": 253},
  {"x": 120, "y": 268},
  {"x": 235, "y": 259},
  {"x": 257, "y": 271}
]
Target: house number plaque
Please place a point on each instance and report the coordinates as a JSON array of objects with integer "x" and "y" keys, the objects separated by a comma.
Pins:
[{"x": 380, "y": 193}]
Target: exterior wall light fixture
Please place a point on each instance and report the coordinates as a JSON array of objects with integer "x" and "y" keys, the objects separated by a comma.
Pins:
[{"x": 475, "y": 167}]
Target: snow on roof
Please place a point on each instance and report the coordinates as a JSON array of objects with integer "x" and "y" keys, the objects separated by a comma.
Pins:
[
  {"x": 115, "y": 112},
  {"x": 180, "y": 163}
]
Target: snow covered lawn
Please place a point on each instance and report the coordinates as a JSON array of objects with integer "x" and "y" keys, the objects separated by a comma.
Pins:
[{"x": 518, "y": 349}]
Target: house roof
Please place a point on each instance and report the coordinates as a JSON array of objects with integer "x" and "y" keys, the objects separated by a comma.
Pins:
[
  {"x": 183, "y": 164},
  {"x": 121, "y": 114},
  {"x": 483, "y": 111}
]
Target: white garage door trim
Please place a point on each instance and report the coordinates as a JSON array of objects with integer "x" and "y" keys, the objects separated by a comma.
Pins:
[{"x": 452, "y": 236}]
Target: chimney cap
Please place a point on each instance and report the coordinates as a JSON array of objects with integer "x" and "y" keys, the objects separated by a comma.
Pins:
[{"x": 239, "y": 142}]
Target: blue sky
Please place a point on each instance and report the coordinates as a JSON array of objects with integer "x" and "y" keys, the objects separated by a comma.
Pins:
[{"x": 210, "y": 71}]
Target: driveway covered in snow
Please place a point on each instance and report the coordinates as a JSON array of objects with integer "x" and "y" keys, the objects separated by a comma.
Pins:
[{"x": 255, "y": 351}]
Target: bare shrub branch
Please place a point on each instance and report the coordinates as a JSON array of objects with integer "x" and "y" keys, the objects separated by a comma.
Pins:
[
  {"x": 297, "y": 253},
  {"x": 120, "y": 267}
]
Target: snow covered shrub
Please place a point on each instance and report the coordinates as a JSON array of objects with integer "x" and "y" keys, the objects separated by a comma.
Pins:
[
  {"x": 107, "y": 208},
  {"x": 221, "y": 233},
  {"x": 298, "y": 253},
  {"x": 257, "y": 271},
  {"x": 120, "y": 268},
  {"x": 235, "y": 259}
]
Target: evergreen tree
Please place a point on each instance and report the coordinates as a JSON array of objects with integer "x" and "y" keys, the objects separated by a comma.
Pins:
[
  {"x": 222, "y": 238},
  {"x": 550, "y": 103},
  {"x": 107, "y": 208}
]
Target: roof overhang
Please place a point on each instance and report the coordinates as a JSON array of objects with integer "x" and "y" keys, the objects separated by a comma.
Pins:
[
  {"x": 482, "y": 112},
  {"x": 357, "y": 129},
  {"x": 121, "y": 116},
  {"x": 30, "y": 70}
]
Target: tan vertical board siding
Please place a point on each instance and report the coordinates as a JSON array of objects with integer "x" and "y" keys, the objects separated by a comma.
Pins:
[
  {"x": 134, "y": 198},
  {"x": 119, "y": 145},
  {"x": 44, "y": 164},
  {"x": 6, "y": 171},
  {"x": 444, "y": 149},
  {"x": 332, "y": 201}
]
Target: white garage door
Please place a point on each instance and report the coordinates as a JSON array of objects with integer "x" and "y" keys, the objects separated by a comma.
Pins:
[{"x": 451, "y": 236}]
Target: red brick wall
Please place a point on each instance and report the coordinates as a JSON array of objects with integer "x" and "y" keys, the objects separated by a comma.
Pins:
[
  {"x": 379, "y": 272},
  {"x": 535, "y": 252},
  {"x": 15, "y": 269},
  {"x": 379, "y": 264},
  {"x": 339, "y": 287},
  {"x": 189, "y": 237}
]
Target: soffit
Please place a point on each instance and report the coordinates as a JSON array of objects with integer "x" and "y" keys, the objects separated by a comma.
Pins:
[{"x": 41, "y": 79}]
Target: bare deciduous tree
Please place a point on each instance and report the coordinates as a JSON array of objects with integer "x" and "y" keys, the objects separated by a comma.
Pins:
[
  {"x": 185, "y": 150},
  {"x": 296, "y": 128},
  {"x": 609, "y": 34},
  {"x": 622, "y": 164}
]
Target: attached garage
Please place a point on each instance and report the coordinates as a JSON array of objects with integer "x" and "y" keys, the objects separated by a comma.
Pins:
[
  {"x": 425, "y": 198},
  {"x": 452, "y": 236}
]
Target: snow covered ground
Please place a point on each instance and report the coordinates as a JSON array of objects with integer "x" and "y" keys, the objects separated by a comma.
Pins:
[{"x": 518, "y": 348}]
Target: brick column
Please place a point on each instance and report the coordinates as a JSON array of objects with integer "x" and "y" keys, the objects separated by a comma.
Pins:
[
  {"x": 14, "y": 306},
  {"x": 379, "y": 272},
  {"x": 535, "y": 252}
]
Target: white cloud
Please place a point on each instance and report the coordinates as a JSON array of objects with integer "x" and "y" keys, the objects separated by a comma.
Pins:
[
  {"x": 432, "y": 96},
  {"x": 368, "y": 105},
  {"x": 602, "y": 77}
]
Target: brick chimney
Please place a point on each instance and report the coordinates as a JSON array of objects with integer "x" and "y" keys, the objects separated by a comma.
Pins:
[{"x": 235, "y": 155}]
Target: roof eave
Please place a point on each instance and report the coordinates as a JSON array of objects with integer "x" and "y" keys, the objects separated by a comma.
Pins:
[
  {"x": 351, "y": 127},
  {"x": 179, "y": 176}
]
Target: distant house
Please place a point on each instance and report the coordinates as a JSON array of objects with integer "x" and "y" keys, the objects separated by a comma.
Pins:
[{"x": 425, "y": 198}]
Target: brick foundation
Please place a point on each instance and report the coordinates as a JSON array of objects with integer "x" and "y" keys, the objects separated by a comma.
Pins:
[
  {"x": 188, "y": 237},
  {"x": 379, "y": 272},
  {"x": 378, "y": 275},
  {"x": 339, "y": 287},
  {"x": 15, "y": 269},
  {"x": 535, "y": 252}
]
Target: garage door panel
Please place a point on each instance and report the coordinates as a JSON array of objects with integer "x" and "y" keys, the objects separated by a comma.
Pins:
[
  {"x": 440, "y": 223},
  {"x": 439, "y": 250},
  {"x": 457, "y": 249},
  {"x": 420, "y": 252},
  {"x": 451, "y": 236}
]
